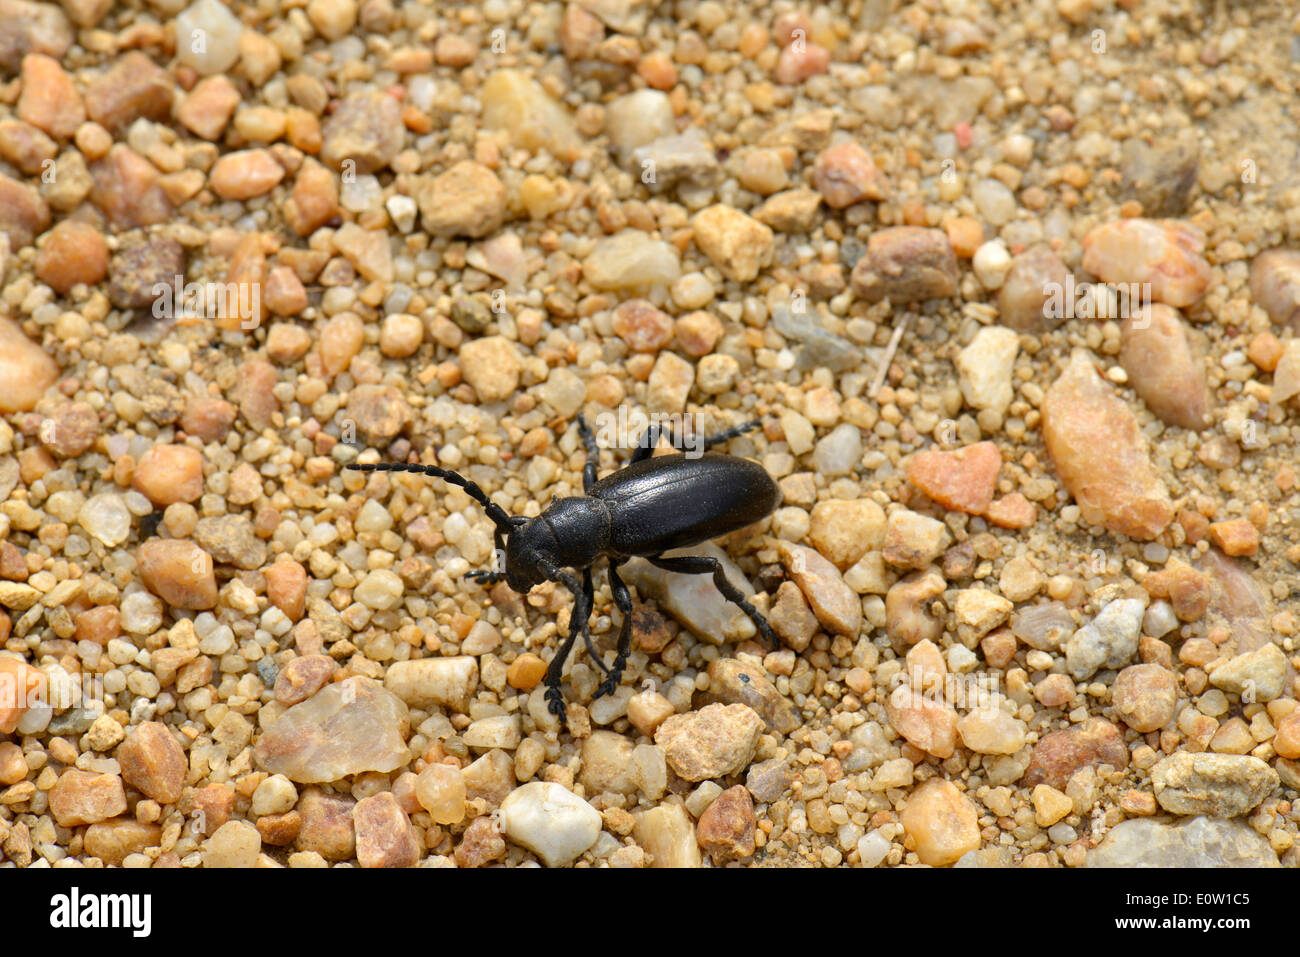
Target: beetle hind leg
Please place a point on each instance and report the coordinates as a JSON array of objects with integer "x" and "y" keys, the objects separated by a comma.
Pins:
[{"x": 703, "y": 565}]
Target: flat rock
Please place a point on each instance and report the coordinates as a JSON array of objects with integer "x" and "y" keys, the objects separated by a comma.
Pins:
[
  {"x": 1164, "y": 367},
  {"x": 963, "y": 479},
  {"x": 734, "y": 681},
  {"x": 1220, "y": 785},
  {"x": 693, "y": 599},
  {"x": 715, "y": 741},
  {"x": 1200, "y": 842}
]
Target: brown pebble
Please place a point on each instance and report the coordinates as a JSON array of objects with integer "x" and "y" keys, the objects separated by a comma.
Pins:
[
  {"x": 326, "y": 825},
  {"x": 153, "y": 763},
  {"x": 1060, "y": 753},
  {"x": 480, "y": 844},
  {"x": 286, "y": 587},
  {"x": 726, "y": 828},
  {"x": 49, "y": 99},
  {"x": 384, "y": 834},
  {"x": 303, "y": 677},
  {"x": 82, "y": 797},
  {"x": 906, "y": 264},
  {"x": 179, "y": 572},
  {"x": 70, "y": 429},
  {"x": 169, "y": 473}
]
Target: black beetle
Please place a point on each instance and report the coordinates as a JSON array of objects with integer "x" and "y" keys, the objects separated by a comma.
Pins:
[{"x": 652, "y": 506}]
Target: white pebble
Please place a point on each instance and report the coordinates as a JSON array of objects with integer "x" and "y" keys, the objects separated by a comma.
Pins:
[
  {"x": 551, "y": 821},
  {"x": 991, "y": 263}
]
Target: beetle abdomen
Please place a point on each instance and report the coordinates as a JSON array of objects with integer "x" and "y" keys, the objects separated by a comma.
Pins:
[{"x": 674, "y": 501}]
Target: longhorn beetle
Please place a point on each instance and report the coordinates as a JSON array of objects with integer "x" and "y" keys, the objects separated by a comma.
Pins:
[{"x": 651, "y": 506}]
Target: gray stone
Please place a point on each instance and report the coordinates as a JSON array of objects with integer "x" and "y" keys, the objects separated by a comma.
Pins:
[
  {"x": 1109, "y": 641},
  {"x": 1200, "y": 842},
  {"x": 1222, "y": 785}
]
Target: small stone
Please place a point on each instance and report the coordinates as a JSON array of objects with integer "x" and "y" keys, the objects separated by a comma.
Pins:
[
  {"x": 715, "y": 741},
  {"x": 234, "y": 844},
  {"x": 132, "y": 87},
  {"x": 1220, "y": 785},
  {"x": 991, "y": 731},
  {"x": 125, "y": 187},
  {"x": 736, "y": 243},
  {"x": 963, "y": 479},
  {"x": 639, "y": 118},
  {"x": 1160, "y": 175},
  {"x": 1102, "y": 456},
  {"x": 333, "y": 19},
  {"x": 230, "y": 539},
  {"x": 666, "y": 833},
  {"x": 846, "y": 174},
  {"x": 1145, "y": 696},
  {"x": 694, "y": 600},
  {"x": 844, "y": 530},
  {"x": 23, "y": 214},
  {"x": 49, "y": 98},
  {"x": 498, "y": 731},
  {"x": 445, "y": 682},
  {"x": 733, "y": 681},
  {"x": 106, "y": 517},
  {"x": 991, "y": 264},
  {"x": 1110, "y": 640},
  {"x": 1059, "y": 754},
  {"x": 178, "y": 572},
  {"x": 1258, "y": 675},
  {"x": 551, "y": 821},
  {"x": 517, "y": 104},
  {"x": 906, "y": 264},
  {"x": 345, "y": 728},
  {"x": 327, "y": 827},
  {"x": 835, "y": 604},
  {"x": 642, "y": 326},
  {"x": 791, "y": 211},
  {"x": 207, "y": 37},
  {"x": 112, "y": 841},
  {"x": 1286, "y": 742},
  {"x": 279, "y": 830},
  {"x": 726, "y": 828},
  {"x": 648, "y": 710},
  {"x": 275, "y": 795},
  {"x": 286, "y": 587},
  {"x": 26, "y": 371},
  {"x": 245, "y": 174},
  {"x": 942, "y": 821},
  {"x": 913, "y": 540},
  {"x": 630, "y": 260},
  {"x": 1201, "y": 842},
  {"x": 672, "y": 160},
  {"x": 466, "y": 200},
  {"x": 139, "y": 268},
  {"x": 314, "y": 200},
  {"x": 82, "y": 797},
  {"x": 1165, "y": 253},
  {"x": 1164, "y": 368},
  {"x": 303, "y": 677},
  {"x": 985, "y": 367},
  {"x": 1050, "y": 805},
  {"x": 492, "y": 366},
  {"x": 480, "y": 845},
  {"x": 1035, "y": 276},
  {"x": 208, "y": 107},
  {"x": 365, "y": 133},
  {"x": 440, "y": 789},
  {"x": 153, "y": 763},
  {"x": 105, "y": 734},
  {"x": 367, "y": 250},
  {"x": 384, "y": 834},
  {"x": 73, "y": 253},
  {"x": 1235, "y": 537},
  {"x": 927, "y": 722},
  {"x": 1274, "y": 285}
]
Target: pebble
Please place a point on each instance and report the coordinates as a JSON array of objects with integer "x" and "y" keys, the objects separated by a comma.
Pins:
[
  {"x": 346, "y": 728},
  {"x": 179, "y": 572},
  {"x": 1050, "y": 805},
  {"x": 138, "y": 268},
  {"x": 167, "y": 474},
  {"x": 444, "y": 682},
  {"x": 551, "y": 821},
  {"x": 666, "y": 833},
  {"x": 314, "y": 200},
  {"x": 23, "y": 214},
  {"x": 1164, "y": 368},
  {"x": 736, "y": 243},
  {"x": 928, "y": 722},
  {"x": 440, "y": 789},
  {"x": 83, "y": 797},
  {"x": 725, "y": 830},
  {"x": 1102, "y": 456},
  {"x": 466, "y": 200},
  {"x": 234, "y": 844},
  {"x": 517, "y": 104},
  {"x": 244, "y": 174},
  {"x": 112, "y": 841},
  {"x": 207, "y": 37},
  {"x": 73, "y": 253},
  {"x": 642, "y": 326},
  {"x": 1165, "y": 253},
  {"x": 985, "y": 367},
  {"x": 333, "y": 19},
  {"x": 631, "y": 260},
  {"x": 275, "y": 795},
  {"x": 733, "y": 681},
  {"x": 208, "y": 107},
  {"x": 134, "y": 87},
  {"x": 913, "y": 540},
  {"x": 1144, "y": 696},
  {"x": 491, "y": 365},
  {"x": 384, "y": 834},
  {"x": 499, "y": 731},
  {"x": 381, "y": 590},
  {"x": 1287, "y": 740},
  {"x": 1220, "y": 785},
  {"x": 327, "y": 825},
  {"x": 715, "y": 741},
  {"x": 840, "y": 451},
  {"x": 906, "y": 264},
  {"x": 365, "y": 133},
  {"x": 106, "y": 517},
  {"x": 963, "y": 479},
  {"x": 835, "y": 604},
  {"x": 303, "y": 677},
  {"x": 126, "y": 188},
  {"x": 693, "y": 599},
  {"x": 1027, "y": 287},
  {"x": 31, "y": 27},
  {"x": 1059, "y": 754},
  {"x": 670, "y": 160},
  {"x": 990, "y": 730},
  {"x": 230, "y": 539},
  {"x": 638, "y": 119},
  {"x": 1160, "y": 175},
  {"x": 1201, "y": 842},
  {"x": 1258, "y": 675},
  {"x": 286, "y": 587},
  {"x": 991, "y": 264},
  {"x": 49, "y": 98},
  {"x": 791, "y": 211},
  {"x": 1110, "y": 640},
  {"x": 1274, "y": 285},
  {"x": 1235, "y": 537},
  {"x": 846, "y": 174},
  {"x": 942, "y": 821},
  {"x": 843, "y": 530},
  {"x": 480, "y": 844},
  {"x": 26, "y": 371}
]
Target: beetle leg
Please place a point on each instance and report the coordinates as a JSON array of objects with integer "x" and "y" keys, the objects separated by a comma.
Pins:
[
  {"x": 623, "y": 599},
  {"x": 589, "y": 595},
  {"x": 593, "y": 453},
  {"x": 702, "y": 565},
  {"x": 578, "y": 622},
  {"x": 492, "y": 576},
  {"x": 650, "y": 438},
  {"x": 727, "y": 435}
]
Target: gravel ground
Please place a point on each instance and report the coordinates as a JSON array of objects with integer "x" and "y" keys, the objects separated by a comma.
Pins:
[{"x": 1007, "y": 284}]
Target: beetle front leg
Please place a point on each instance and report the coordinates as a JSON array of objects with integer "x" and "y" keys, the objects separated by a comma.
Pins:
[
  {"x": 702, "y": 565},
  {"x": 485, "y": 576},
  {"x": 623, "y": 599},
  {"x": 584, "y": 597}
]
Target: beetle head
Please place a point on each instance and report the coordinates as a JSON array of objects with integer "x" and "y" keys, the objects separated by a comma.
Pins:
[{"x": 524, "y": 559}]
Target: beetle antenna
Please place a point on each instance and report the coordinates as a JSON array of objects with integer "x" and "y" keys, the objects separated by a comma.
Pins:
[{"x": 504, "y": 522}]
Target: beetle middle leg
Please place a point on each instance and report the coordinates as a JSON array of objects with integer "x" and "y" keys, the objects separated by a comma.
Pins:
[
  {"x": 593, "y": 453},
  {"x": 584, "y": 597},
  {"x": 623, "y": 599},
  {"x": 702, "y": 565},
  {"x": 650, "y": 438}
]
